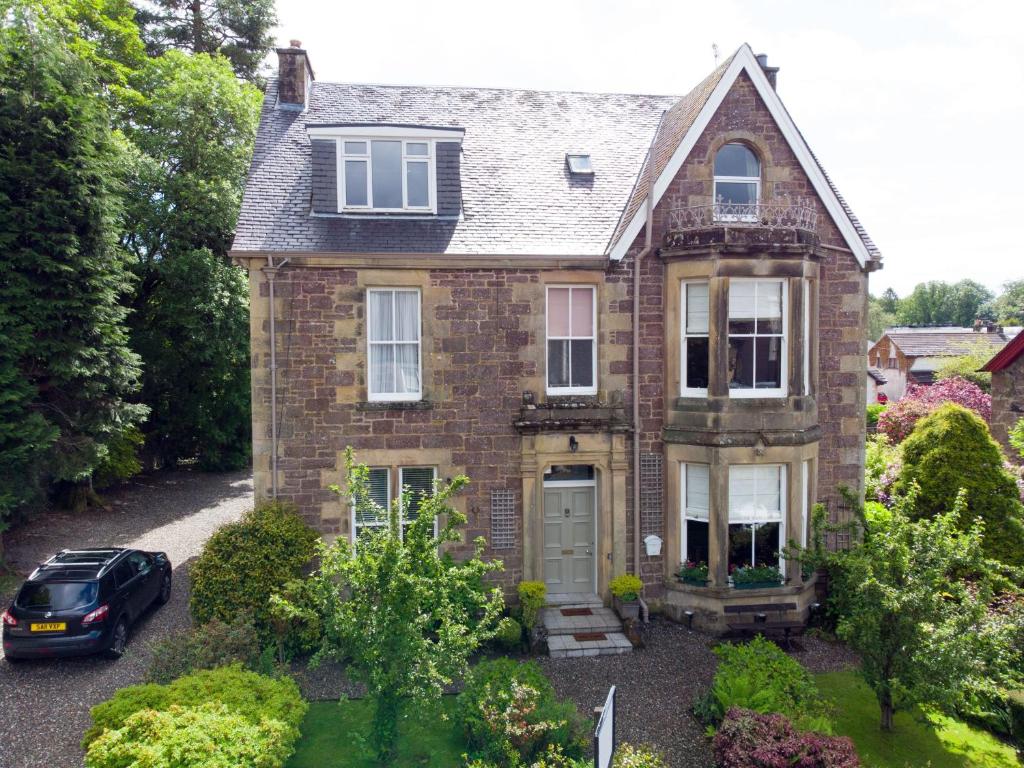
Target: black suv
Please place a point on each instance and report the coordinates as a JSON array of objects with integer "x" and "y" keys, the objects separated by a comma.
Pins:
[{"x": 84, "y": 601}]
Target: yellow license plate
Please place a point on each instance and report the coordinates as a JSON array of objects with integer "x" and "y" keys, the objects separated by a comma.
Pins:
[{"x": 50, "y": 626}]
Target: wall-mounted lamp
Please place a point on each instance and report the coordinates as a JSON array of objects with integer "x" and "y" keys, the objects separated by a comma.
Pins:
[{"x": 574, "y": 444}]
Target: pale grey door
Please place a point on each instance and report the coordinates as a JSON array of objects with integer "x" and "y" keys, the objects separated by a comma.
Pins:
[{"x": 569, "y": 539}]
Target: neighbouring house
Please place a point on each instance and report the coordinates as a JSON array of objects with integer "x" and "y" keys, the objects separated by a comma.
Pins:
[
  {"x": 912, "y": 355},
  {"x": 876, "y": 382},
  {"x": 636, "y": 322},
  {"x": 1007, "y": 369}
]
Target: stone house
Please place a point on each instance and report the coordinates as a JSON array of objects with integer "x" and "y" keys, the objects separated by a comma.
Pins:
[
  {"x": 1007, "y": 369},
  {"x": 637, "y": 323},
  {"x": 912, "y": 355}
]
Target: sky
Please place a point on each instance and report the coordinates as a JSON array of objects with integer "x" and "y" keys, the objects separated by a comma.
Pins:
[{"x": 914, "y": 107}]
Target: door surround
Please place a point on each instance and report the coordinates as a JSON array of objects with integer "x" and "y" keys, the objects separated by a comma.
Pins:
[{"x": 606, "y": 452}]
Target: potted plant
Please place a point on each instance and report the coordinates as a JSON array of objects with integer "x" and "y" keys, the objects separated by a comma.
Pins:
[
  {"x": 693, "y": 573},
  {"x": 626, "y": 594},
  {"x": 756, "y": 577}
]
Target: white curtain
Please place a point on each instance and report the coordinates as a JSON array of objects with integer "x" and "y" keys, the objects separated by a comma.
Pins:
[
  {"x": 697, "y": 482},
  {"x": 755, "y": 494},
  {"x": 394, "y": 332}
]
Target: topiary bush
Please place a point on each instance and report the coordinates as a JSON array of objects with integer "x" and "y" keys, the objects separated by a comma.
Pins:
[
  {"x": 207, "y": 646},
  {"x": 759, "y": 676},
  {"x": 243, "y": 563},
  {"x": 253, "y": 697},
  {"x": 952, "y": 449},
  {"x": 748, "y": 739},
  {"x": 210, "y": 735},
  {"x": 532, "y": 595},
  {"x": 510, "y": 715}
]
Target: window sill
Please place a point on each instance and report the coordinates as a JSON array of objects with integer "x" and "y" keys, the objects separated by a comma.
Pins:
[{"x": 394, "y": 405}]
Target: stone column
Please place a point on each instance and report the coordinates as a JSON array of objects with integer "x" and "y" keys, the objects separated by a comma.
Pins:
[
  {"x": 718, "y": 322},
  {"x": 718, "y": 523}
]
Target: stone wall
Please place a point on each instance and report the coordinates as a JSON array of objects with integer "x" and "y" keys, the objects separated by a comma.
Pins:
[{"x": 1007, "y": 402}]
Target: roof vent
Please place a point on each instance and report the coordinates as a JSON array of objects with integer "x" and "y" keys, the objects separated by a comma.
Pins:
[{"x": 579, "y": 164}]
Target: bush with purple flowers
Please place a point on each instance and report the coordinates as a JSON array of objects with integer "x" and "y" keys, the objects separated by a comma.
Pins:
[
  {"x": 899, "y": 419},
  {"x": 747, "y": 739}
]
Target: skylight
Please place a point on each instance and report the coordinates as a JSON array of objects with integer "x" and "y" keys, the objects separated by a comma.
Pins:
[{"x": 579, "y": 164}]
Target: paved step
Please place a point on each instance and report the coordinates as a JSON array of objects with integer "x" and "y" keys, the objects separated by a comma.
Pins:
[
  {"x": 579, "y": 619},
  {"x": 574, "y": 600},
  {"x": 595, "y": 644}
]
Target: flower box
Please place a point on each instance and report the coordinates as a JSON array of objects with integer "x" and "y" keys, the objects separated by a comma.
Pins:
[
  {"x": 694, "y": 574},
  {"x": 694, "y": 582},
  {"x": 627, "y": 610},
  {"x": 761, "y": 577},
  {"x": 757, "y": 584}
]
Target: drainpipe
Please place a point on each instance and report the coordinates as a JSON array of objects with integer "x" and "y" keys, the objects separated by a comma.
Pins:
[
  {"x": 648, "y": 237},
  {"x": 270, "y": 272}
]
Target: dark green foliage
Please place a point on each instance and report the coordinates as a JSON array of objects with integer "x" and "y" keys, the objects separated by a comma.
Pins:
[
  {"x": 244, "y": 563},
  {"x": 295, "y": 620},
  {"x": 952, "y": 449},
  {"x": 192, "y": 131},
  {"x": 759, "y": 676},
  {"x": 1009, "y": 307},
  {"x": 1015, "y": 700},
  {"x": 65, "y": 367},
  {"x": 237, "y": 29},
  {"x": 122, "y": 459},
  {"x": 491, "y": 691},
  {"x": 940, "y": 303},
  {"x": 509, "y": 634},
  {"x": 254, "y": 697},
  {"x": 207, "y": 646}
]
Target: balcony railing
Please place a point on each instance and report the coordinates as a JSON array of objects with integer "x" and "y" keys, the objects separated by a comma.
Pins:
[{"x": 780, "y": 214}]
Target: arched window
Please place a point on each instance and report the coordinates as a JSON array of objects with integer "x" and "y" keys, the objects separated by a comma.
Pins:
[{"x": 737, "y": 182}]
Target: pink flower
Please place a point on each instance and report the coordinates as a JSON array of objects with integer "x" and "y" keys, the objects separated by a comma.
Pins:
[{"x": 900, "y": 418}]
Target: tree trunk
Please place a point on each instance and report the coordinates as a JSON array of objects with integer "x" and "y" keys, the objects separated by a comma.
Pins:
[
  {"x": 384, "y": 730},
  {"x": 885, "y": 704}
]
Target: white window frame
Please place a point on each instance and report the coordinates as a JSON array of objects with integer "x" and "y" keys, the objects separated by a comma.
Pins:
[
  {"x": 591, "y": 390},
  {"x": 783, "y": 472},
  {"x": 401, "y": 488},
  {"x": 354, "y": 536},
  {"x": 394, "y": 397},
  {"x": 429, "y": 160},
  {"x": 807, "y": 335},
  {"x": 684, "y": 390},
  {"x": 684, "y": 515},
  {"x": 753, "y": 392},
  {"x": 756, "y": 180}
]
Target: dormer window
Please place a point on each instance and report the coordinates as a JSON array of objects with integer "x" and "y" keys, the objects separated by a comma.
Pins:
[
  {"x": 386, "y": 175},
  {"x": 737, "y": 183}
]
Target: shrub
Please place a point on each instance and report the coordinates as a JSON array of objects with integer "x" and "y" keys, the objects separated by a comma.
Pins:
[
  {"x": 295, "y": 620},
  {"x": 1017, "y": 437},
  {"x": 628, "y": 756},
  {"x": 253, "y": 697},
  {"x": 899, "y": 419},
  {"x": 626, "y": 587},
  {"x": 748, "y": 739},
  {"x": 209, "y": 735},
  {"x": 1015, "y": 700},
  {"x": 121, "y": 460},
  {"x": 532, "y": 595},
  {"x": 244, "y": 563},
  {"x": 951, "y": 449},
  {"x": 210, "y": 645},
  {"x": 509, "y": 633},
  {"x": 874, "y": 410},
  {"x": 968, "y": 367},
  {"x": 759, "y": 676},
  {"x": 881, "y": 467},
  {"x": 510, "y": 715}
]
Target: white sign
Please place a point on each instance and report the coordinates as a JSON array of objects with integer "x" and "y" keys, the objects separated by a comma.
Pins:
[{"x": 604, "y": 734}]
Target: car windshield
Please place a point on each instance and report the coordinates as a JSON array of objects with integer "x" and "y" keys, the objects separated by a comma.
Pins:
[{"x": 57, "y": 595}]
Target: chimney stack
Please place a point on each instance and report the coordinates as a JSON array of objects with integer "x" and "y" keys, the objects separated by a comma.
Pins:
[
  {"x": 294, "y": 77},
  {"x": 772, "y": 73}
]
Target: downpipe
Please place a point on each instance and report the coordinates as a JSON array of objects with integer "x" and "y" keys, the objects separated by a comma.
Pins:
[{"x": 270, "y": 272}]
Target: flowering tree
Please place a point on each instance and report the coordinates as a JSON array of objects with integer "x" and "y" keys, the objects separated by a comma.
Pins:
[
  {"x": 402, "y": 613},
  {"x": 900, "y": 418}
]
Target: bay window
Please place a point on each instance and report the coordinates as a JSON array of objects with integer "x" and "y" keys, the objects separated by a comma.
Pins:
[
  {"x": 695, "y": 348},
  {"x": 695, "y": 495},
  {"x": 757, "y": 329},
  {"x": 386, "y": 174},
  {"x": 393, "y": 346},
  {"x": 571, "y": 340},
  {"x": 757, "y": 504}
]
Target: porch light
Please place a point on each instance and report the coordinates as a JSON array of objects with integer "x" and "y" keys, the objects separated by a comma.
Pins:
[{"x": 574, "y": 444}]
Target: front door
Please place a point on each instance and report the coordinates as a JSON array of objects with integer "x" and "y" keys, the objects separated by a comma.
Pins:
[{"x": 569, "y": 539}]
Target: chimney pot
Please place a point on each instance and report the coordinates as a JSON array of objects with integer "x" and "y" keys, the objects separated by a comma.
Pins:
[
  {"x": 295, "y": 43},
  {"x": 771, "y": 73},
  {"x": 762, "y": 59}
]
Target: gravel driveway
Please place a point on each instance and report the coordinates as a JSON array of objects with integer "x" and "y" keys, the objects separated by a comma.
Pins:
[{"x": 45, "y": 704}]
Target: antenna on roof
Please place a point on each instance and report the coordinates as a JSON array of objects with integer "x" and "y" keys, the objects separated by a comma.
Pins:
[{"x": 714, "y": 50}]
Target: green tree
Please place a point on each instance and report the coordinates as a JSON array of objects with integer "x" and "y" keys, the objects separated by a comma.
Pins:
[
  {"x": 1008, "y": 307},
  {"x": 951, "y": 449},
  {"x": 908, "y": 613},
  {"x": 940, "y": 303},
  {"x": 66, "y": 365},
  {"x": 192, "y": 130},
  {"x": 890, "y": 301},
  {"x": 878, "y": 318},
  {"x": 968, "y": 365},
  {"x": 237, "y": 29},
  {"x": 404, "y": 615}
]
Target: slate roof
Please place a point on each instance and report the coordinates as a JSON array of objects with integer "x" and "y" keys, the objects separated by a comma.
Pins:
[
  {"x": 877, "y": 375},
  {"x": 518, "y": 198},
  {"x": 942, "y": 342}
]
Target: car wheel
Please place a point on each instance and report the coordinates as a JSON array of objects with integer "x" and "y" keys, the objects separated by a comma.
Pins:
[
  {"x": 118, "y": 639},
  {"x": 165, "y": 590}
]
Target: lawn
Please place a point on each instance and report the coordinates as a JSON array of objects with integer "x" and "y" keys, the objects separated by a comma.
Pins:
[
  {"x": 332, "y": 731},
  {"x": 917, "y": 739}
]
